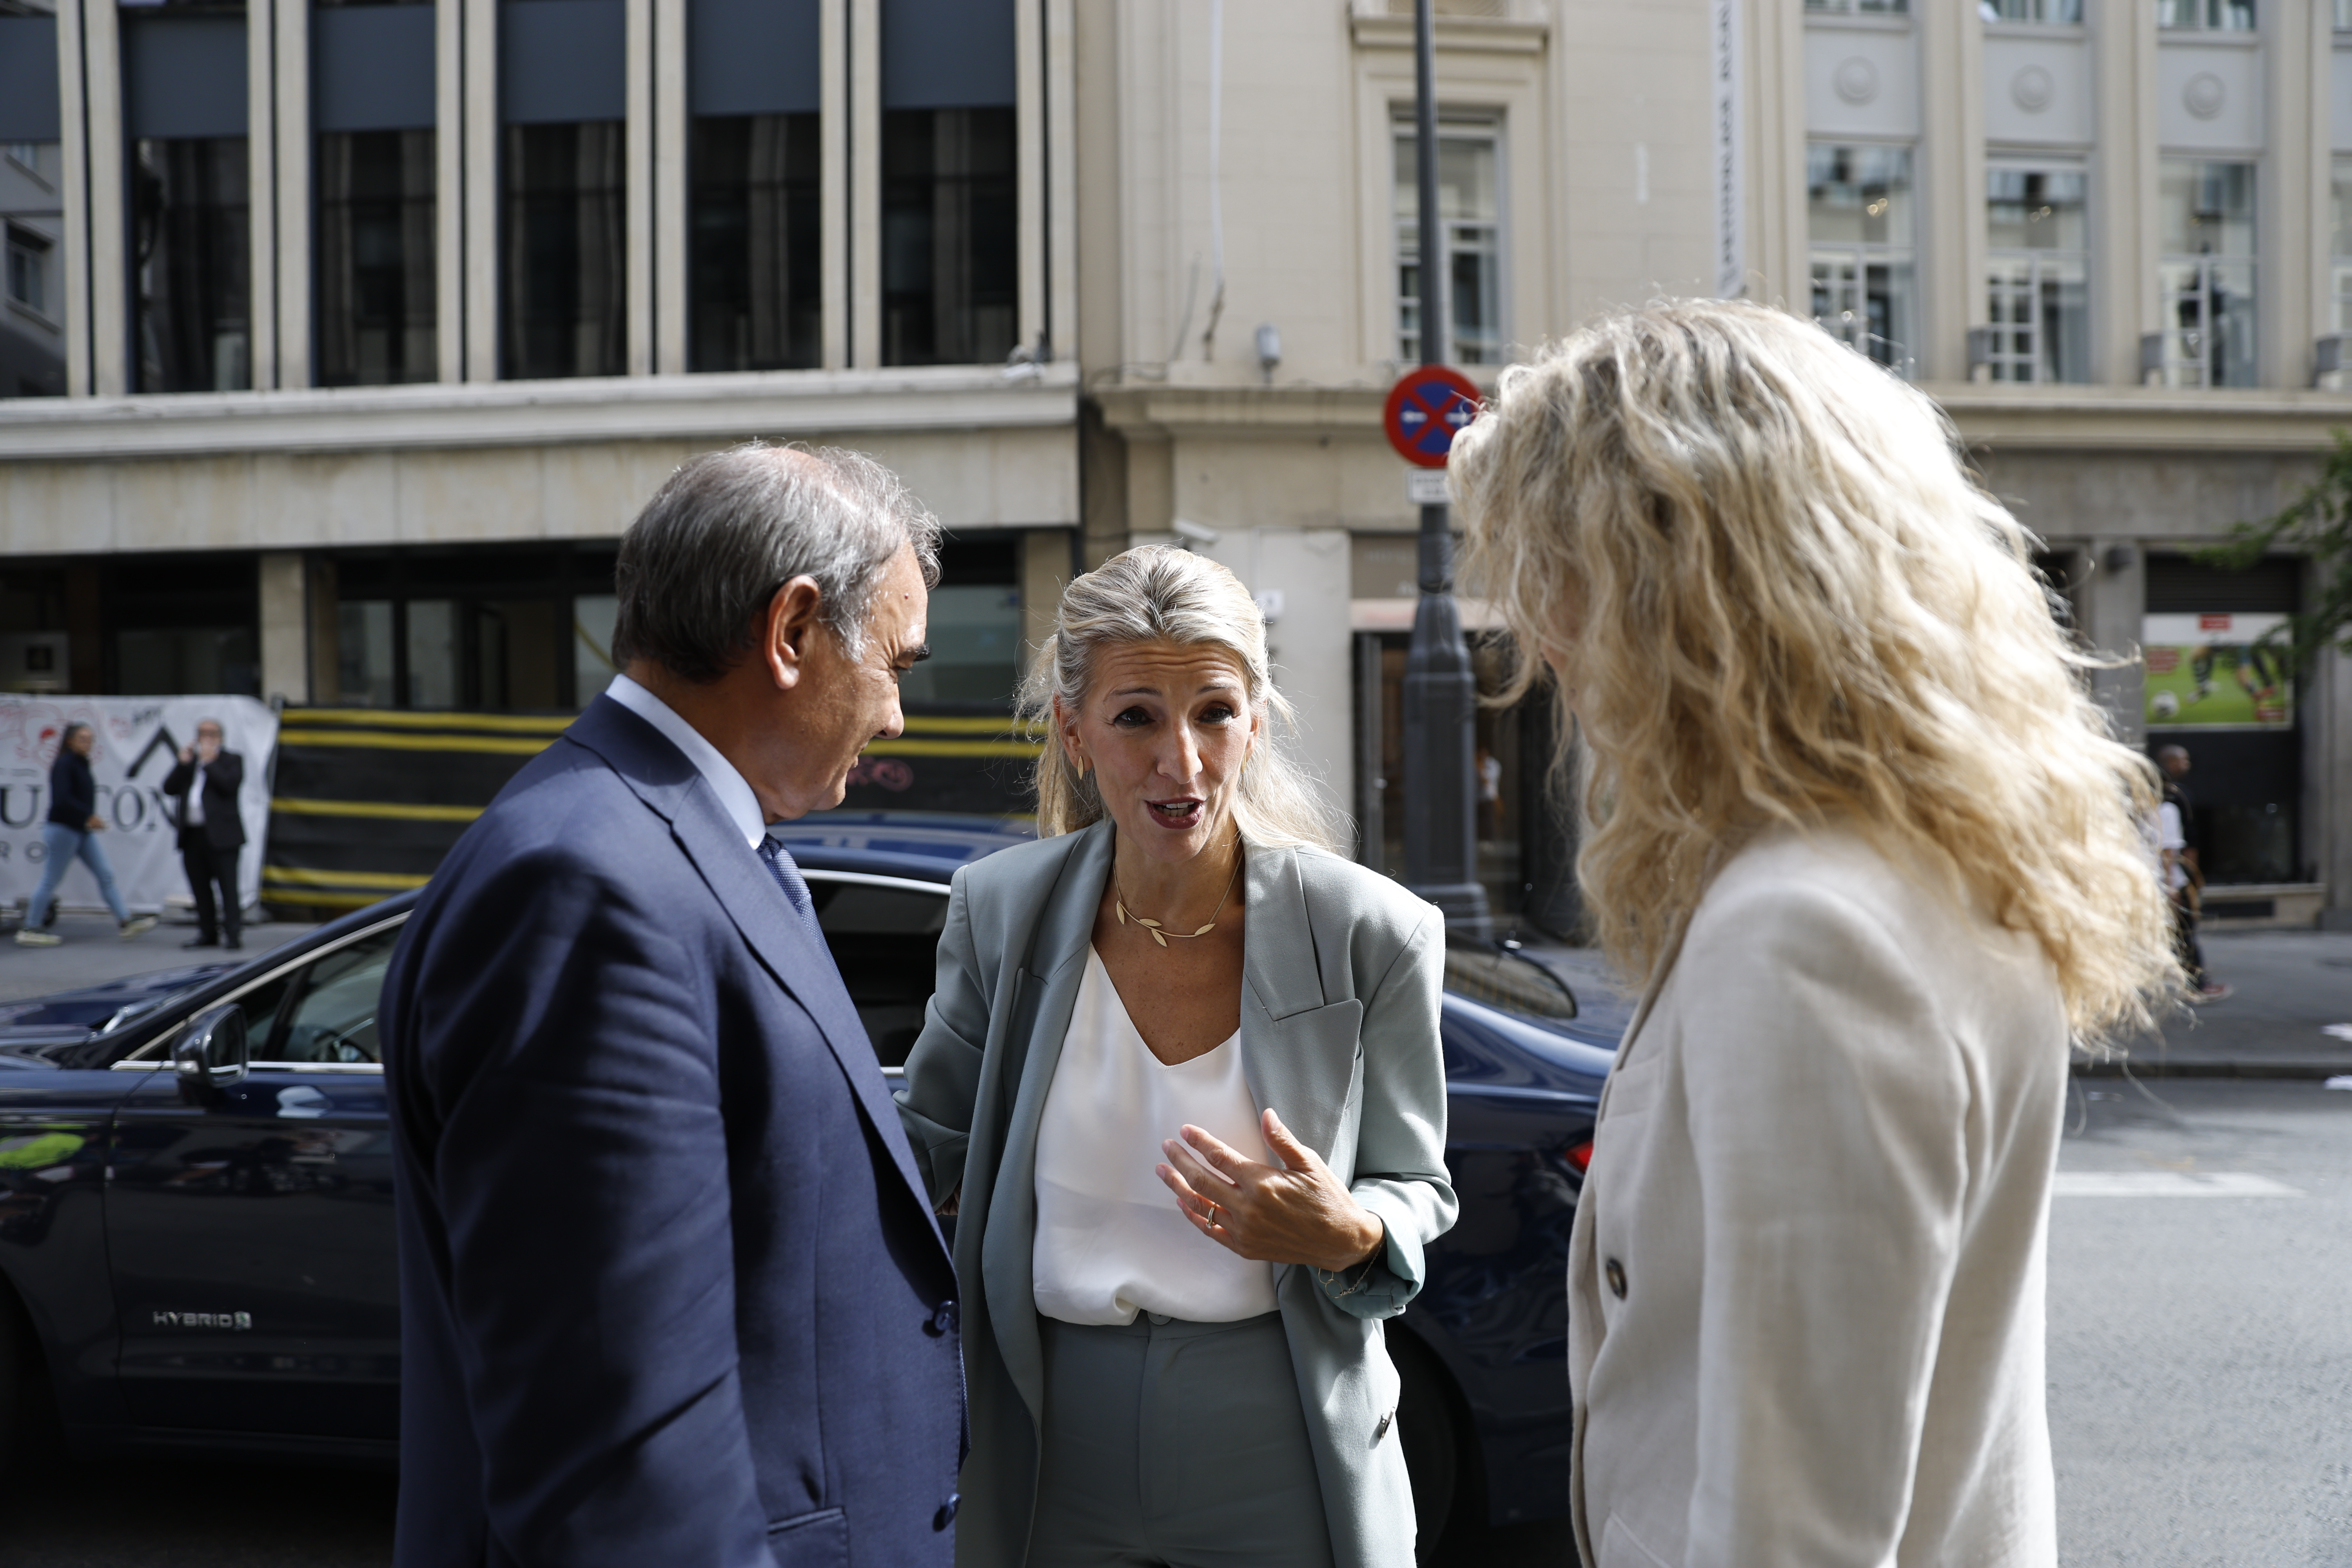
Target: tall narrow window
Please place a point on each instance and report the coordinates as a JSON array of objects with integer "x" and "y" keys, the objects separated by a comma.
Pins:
[
  {"x": 951, "y": 192},
  {"x": 2065, "y": 12},
  {"x": 2207, "y": 16},
  {"x": 371, "y": 95},
  {"x": 1858, "y": 7},
  {"x": 563, "y": 267},
  {"x": 1469, "y": 205},
  {"x": 32, "y": 183},
  {"x": 2040, "y": 271},
  {"x": 2339, "y": 258},
  {"x": 191, "y": 222},
  {"x": 1860, "y": 222},
  {"x": 755, "y": 294},
  {"x": 2207, "y": 275}
]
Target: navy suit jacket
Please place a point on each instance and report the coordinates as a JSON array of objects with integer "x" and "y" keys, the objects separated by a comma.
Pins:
[{"x": 670, "y": 1293}]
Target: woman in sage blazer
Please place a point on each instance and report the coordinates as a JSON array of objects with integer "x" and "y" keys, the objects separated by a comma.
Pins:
[
  {"x": 1334, "y": 976},
  {"x": 1867, "y": 838}
]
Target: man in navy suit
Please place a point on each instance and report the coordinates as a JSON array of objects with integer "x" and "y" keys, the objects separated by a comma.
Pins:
[{"x": 671, "y": 1296}]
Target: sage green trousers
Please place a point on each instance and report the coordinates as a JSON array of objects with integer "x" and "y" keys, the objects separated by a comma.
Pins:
[{"x": 1170, "y": 1444}]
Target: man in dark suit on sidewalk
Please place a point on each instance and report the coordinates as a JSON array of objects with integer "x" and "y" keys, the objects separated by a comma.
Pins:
[
  {"x": 205, "y": 784},
  {"x": 671, "y": 1291}
]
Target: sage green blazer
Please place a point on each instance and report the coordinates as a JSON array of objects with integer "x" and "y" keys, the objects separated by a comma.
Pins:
[{"x": 1342, "y": 970}]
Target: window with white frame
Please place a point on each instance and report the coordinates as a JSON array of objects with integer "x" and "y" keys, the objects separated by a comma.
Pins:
[
  {"x": 2339, "y": 262},
  {"x": 2211, "y": 15},
  {"x": 2039, "y": 269},
  {"x": 1469, "y": 202},
  {"x": 1858, "y": 7},
  {"x": 1860, "y": 223},
  {"x": 28, "y": 268},
  {"x": 2206, "y": 217},
  {"x": 2061, "y": 13}
]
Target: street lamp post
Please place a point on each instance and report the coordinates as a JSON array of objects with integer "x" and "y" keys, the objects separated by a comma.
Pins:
[{"x": 1441, "y": 694}]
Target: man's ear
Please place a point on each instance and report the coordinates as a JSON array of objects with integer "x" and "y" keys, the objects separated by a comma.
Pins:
[{"x": 792, "y": 618}]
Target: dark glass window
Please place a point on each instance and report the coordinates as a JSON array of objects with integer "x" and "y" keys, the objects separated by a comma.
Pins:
[
  {"x": 951, "y": 256},
  {"x": 563, "y": 287},
  {"x": 756, "y": 289},
  {"x": 376, "y": 247},
  {"x": 192, "y": 280}
]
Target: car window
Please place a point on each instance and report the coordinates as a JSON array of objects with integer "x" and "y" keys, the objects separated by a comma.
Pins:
[
  {"x": 261, "y": 1007},
  {"x": 332, "y": 1018},
  {"x": 884, "y": 941}
]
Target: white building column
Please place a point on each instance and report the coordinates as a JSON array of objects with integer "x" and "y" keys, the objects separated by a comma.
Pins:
[
  {"x": 481, "y": 195},
  {"x": 109, "y": 251},
  {"x": 1302, "y": 578},
  {"x": 1952, "y": 164},
  {"x": 293, "y": 194},
  {"x": 73, "y": 156},
  {"x": 261, "y": 187},
  {"x": 637, "y": 163},
  {"x": 833, "y": 180},
  {"x": 864, "y": 182},
  {"x": 670, "y": 192},
  {"x": 449, "y": 193},
  {"x": 284, "y": 626},
  {"x": 2113, "y": 600}
]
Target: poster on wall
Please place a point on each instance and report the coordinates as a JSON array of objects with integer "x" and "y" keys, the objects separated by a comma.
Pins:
[
  {"x": 2206, "y": 672},
  {"x": 138, "y": 741}
]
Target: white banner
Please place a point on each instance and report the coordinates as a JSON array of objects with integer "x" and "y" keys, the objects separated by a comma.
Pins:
[{"x": 137, "y": 743}]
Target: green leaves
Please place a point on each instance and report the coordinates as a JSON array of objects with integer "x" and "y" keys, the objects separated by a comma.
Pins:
[{"x": 2317, "y": 524}]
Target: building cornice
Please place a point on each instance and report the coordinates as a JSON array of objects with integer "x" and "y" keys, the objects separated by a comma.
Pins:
[
  {"x": 1464, "y": 35},
  {"x": 540, "y": 413},
  {"x": 2143, "y": 419},
  {"x": 2074, "y": 418}
]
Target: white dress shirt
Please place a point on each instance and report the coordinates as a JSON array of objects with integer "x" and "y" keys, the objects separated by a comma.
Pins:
[
  {"x": 735, "y": 796},
  {"x": 194, "y": 817},
  {"x": 1110, "y": 1239}
]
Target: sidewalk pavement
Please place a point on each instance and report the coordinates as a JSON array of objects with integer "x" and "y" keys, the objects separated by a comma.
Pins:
[
  {"x": 92, "y": 955},
  {"x": 2291, "y": 986}
]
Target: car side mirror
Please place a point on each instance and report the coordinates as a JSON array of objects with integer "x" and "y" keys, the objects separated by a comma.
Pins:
[{"x": 210, "y": 1053}]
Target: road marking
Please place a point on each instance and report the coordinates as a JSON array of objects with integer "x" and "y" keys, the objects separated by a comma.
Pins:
[{"x": 2168, "y": 1184}]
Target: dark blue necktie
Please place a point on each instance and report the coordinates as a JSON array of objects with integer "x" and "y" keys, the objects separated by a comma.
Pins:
[{"x": 788, "y": 877}]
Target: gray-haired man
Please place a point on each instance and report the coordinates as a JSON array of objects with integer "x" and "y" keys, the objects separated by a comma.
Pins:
[{"x": 671, "y": 1291}]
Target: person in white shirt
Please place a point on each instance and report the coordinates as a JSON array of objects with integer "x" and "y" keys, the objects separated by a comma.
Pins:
[
  {"x": 1859, "y": 829},
  {"x": 1180, "y": 1085}
]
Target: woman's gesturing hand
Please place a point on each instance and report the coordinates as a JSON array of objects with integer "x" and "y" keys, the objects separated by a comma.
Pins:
[{"x": 1293, "y": 1211}]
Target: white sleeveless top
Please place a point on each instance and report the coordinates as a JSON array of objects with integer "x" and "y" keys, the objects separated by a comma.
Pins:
[{"x": 1111, "y": 1241}]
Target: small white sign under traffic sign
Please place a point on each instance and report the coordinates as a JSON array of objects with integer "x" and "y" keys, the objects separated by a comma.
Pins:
[{"x": 1426, "y": 487}]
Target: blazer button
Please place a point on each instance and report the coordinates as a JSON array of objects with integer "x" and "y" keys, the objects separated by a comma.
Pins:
[
  {"x": 1616, "y": 1272},
  {"x": 943, "y": 1321},
  {"x": 946, "y": 1515}
]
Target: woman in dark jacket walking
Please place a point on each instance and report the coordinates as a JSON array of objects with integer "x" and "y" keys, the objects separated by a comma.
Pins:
[{"x": 70, "y": 834}]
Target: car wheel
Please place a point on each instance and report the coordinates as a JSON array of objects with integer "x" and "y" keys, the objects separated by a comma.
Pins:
[{"x": 1431, "y": 1432}]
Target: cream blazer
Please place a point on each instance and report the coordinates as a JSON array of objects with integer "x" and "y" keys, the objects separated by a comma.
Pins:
[{"x": 1806, "y": 1284}]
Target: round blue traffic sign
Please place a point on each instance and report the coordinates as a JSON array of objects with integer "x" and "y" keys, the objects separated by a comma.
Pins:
[{"x": 1427, "y": 407}]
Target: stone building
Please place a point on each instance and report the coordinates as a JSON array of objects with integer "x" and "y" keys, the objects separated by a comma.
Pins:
[{"x": 374, "y": 324}]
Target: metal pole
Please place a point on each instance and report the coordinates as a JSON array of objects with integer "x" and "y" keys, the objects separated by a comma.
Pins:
[{"x": 1440, "y": 692}]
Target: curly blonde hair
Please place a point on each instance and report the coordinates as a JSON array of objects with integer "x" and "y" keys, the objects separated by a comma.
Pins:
[
  {"x": 1774, "y": 597},
  {"x": 1158, "y": 593}
]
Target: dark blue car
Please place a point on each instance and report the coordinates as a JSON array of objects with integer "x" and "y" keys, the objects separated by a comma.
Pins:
[{"x": 196, "y": 1252}]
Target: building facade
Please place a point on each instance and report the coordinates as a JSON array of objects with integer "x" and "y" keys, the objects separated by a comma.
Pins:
[{"x": 343, "y": 340}]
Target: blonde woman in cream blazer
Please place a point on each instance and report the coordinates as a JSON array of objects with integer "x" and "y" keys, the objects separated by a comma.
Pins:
[{"x": 1855, "y": 818}]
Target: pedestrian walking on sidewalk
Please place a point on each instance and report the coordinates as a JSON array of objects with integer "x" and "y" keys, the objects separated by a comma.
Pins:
[
  {"x": 2183, "y": 873},
  {"x": 211, "y": 833},
  {"x": 1866, "y": 841},
  {"x": 70, "y": 834}
]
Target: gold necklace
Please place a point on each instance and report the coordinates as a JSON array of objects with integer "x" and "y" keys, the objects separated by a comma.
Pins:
[{"x": 1118, "y": 902}]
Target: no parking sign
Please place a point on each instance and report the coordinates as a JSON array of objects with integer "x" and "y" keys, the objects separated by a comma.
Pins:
[{"x": 1427, "y": 409}]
